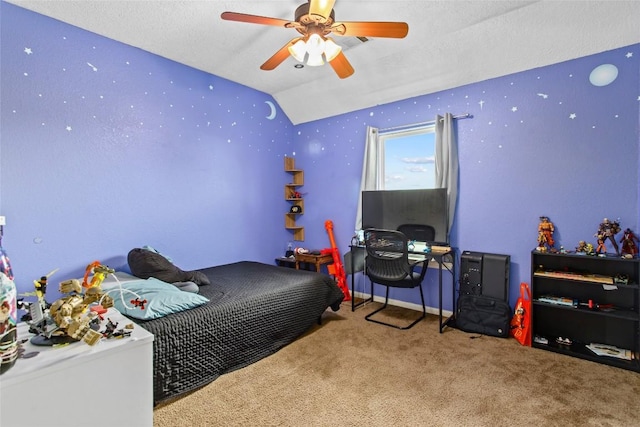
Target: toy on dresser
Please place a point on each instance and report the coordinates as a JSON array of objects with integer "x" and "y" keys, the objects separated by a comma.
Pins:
[
  {"x": 8, "y": 322},
  {"x": 8, "y": 311},
  {"x": 77, "y": 315}
]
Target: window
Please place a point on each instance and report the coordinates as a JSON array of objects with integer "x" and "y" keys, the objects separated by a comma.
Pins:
[{"x": 407, "y": 159}]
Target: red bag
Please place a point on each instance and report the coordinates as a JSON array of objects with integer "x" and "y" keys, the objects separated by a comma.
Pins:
[{"x": 521, "y": 321}]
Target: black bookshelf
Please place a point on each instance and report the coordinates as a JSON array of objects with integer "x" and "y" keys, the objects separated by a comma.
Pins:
[{"x": 601, "y": 305}]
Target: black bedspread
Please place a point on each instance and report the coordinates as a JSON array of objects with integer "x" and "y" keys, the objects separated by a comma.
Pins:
[{"x": 254, "y": 310}]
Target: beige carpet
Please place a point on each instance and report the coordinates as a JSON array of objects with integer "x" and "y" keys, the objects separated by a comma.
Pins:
[{"x": 350, "y": 372}]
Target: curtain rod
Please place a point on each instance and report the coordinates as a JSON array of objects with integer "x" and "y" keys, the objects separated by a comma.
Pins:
[{"x": 459, "y": 116}]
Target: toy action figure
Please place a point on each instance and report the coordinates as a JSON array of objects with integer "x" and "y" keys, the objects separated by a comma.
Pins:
[
  {"x": 76, "y": 315},
  {"x": 629, "y": 244},
  {"x": 601, "y": 248},
  {"x": 608, "y": 230},
  {"x": 584, "y": 248},
  {"x": 545, "y": 235}
]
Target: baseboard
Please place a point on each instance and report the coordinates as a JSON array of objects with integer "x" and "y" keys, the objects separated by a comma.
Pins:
[{"x": 404, "y": 304}]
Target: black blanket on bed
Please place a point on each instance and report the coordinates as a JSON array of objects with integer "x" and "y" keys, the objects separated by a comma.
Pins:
[{"x": 254, "y": 310}]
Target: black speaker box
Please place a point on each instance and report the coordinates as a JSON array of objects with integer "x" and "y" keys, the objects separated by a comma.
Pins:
[
  {"x": 485, "y": 274},
  {"x": 470, "y": 273}
]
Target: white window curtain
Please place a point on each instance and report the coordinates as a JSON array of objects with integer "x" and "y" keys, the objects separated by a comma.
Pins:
[
  {"x": 447, "y": 162},
  {"x": 446, "y": 165},
  {"x": 369, "y": 179}
]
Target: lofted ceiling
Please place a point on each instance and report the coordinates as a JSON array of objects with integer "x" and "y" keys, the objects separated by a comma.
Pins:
[{"x": 450, "y": 43}]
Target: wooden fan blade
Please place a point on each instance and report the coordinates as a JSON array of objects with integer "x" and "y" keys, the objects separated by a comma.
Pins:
[
  {"x": 254, "y": 19},
  {"x": 395, "y": 30},
  {"x": 279, "y": 56},
  {"x": 321, "y": 7},
  {"x": 341, "y": 66}
]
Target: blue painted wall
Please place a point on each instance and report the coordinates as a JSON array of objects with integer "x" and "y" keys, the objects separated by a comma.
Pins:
[
  {"x": 105, "y": 147},
  {"x": 560, "y": 141}
]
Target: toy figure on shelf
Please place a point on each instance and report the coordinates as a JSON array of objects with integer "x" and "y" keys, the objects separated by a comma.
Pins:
[
  {"x": 545, "y": 235},
  {"x": 601, "y": 249},
  {"x": 584, "y": 248},
  {"x": 608, "y": 230},
  {"x": 629, "y": 244},
  {"x": 295, "y": 194}
]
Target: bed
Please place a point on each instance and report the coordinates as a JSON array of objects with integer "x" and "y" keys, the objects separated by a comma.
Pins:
[{"x": 253, "y": 310}]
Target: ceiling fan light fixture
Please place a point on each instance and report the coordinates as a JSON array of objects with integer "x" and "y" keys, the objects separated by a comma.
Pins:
[
  {"x": 331, "y": 49},
  {"x": 315, "y": 45},
  {"x": 314, "y": 20},
  {"x": 315, "y": 60},
  {"x": 298, "y": 50}
]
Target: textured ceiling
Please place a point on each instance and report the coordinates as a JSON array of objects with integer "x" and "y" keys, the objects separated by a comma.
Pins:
[{"x": 450, "y": 43}]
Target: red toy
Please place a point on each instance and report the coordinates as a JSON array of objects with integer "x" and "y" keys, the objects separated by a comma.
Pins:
[
  {"x": 629, "y": 243},
  {"x": 139, "y": 303},
  {"x": 337, "y": 269},
  {"x": 295, "y": 195}
]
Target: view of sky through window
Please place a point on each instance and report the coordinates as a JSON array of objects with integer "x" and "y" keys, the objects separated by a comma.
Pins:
[{"x": 409, "y": 161}]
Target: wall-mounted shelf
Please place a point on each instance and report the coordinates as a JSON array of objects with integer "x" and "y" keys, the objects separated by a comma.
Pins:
[{"x": 292, "y": 195}]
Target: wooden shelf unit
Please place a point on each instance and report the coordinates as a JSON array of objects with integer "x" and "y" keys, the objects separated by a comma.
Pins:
[
  {"x": 613, "y": 319},
  {"x": 290, "y": 190}
]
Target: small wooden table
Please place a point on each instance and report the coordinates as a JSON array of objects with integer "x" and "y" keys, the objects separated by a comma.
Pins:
[{"x": 317, "y": 260}]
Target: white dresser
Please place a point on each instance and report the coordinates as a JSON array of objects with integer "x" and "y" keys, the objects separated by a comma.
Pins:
[{"x": 108, "y": 384}]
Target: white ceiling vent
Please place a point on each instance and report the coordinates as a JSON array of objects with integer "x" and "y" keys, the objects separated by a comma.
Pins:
[{"x": 350, "y": 42}]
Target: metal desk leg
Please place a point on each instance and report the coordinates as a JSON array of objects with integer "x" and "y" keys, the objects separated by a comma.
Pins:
[
  {"x": 453, "y": 292},
  {"x": 353, "y": 275},
  {"x": 440, "y": 293},
  {"x": 353, "y": 296}
]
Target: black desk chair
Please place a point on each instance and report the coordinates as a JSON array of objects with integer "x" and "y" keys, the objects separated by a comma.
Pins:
[
  {"x": 418, "y": 232},
  {"x": 388, "y": 264}
]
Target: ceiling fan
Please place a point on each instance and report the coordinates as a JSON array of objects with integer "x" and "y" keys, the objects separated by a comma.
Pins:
[{"x": 315, "y": 20}]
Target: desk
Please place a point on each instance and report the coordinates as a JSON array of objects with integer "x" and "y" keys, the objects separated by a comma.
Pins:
[
  {"x": 435, "y": 256},
  {"x": 316, "y": 260}
]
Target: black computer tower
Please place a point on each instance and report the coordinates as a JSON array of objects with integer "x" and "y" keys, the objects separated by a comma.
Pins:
[{"x": 485, "y": 274}]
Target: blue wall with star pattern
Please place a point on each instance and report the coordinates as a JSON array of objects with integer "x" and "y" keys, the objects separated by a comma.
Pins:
[{"x": 105, "y": 147}]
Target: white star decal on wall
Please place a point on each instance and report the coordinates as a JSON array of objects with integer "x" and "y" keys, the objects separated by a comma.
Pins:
[
  {"x": 629, "y": 54},
  {"x": 572, "y": 116},
  {"x": 514, "y": 109},
  {"x": 28, "y": 50},
  {"x": 68, "y": 128}
]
